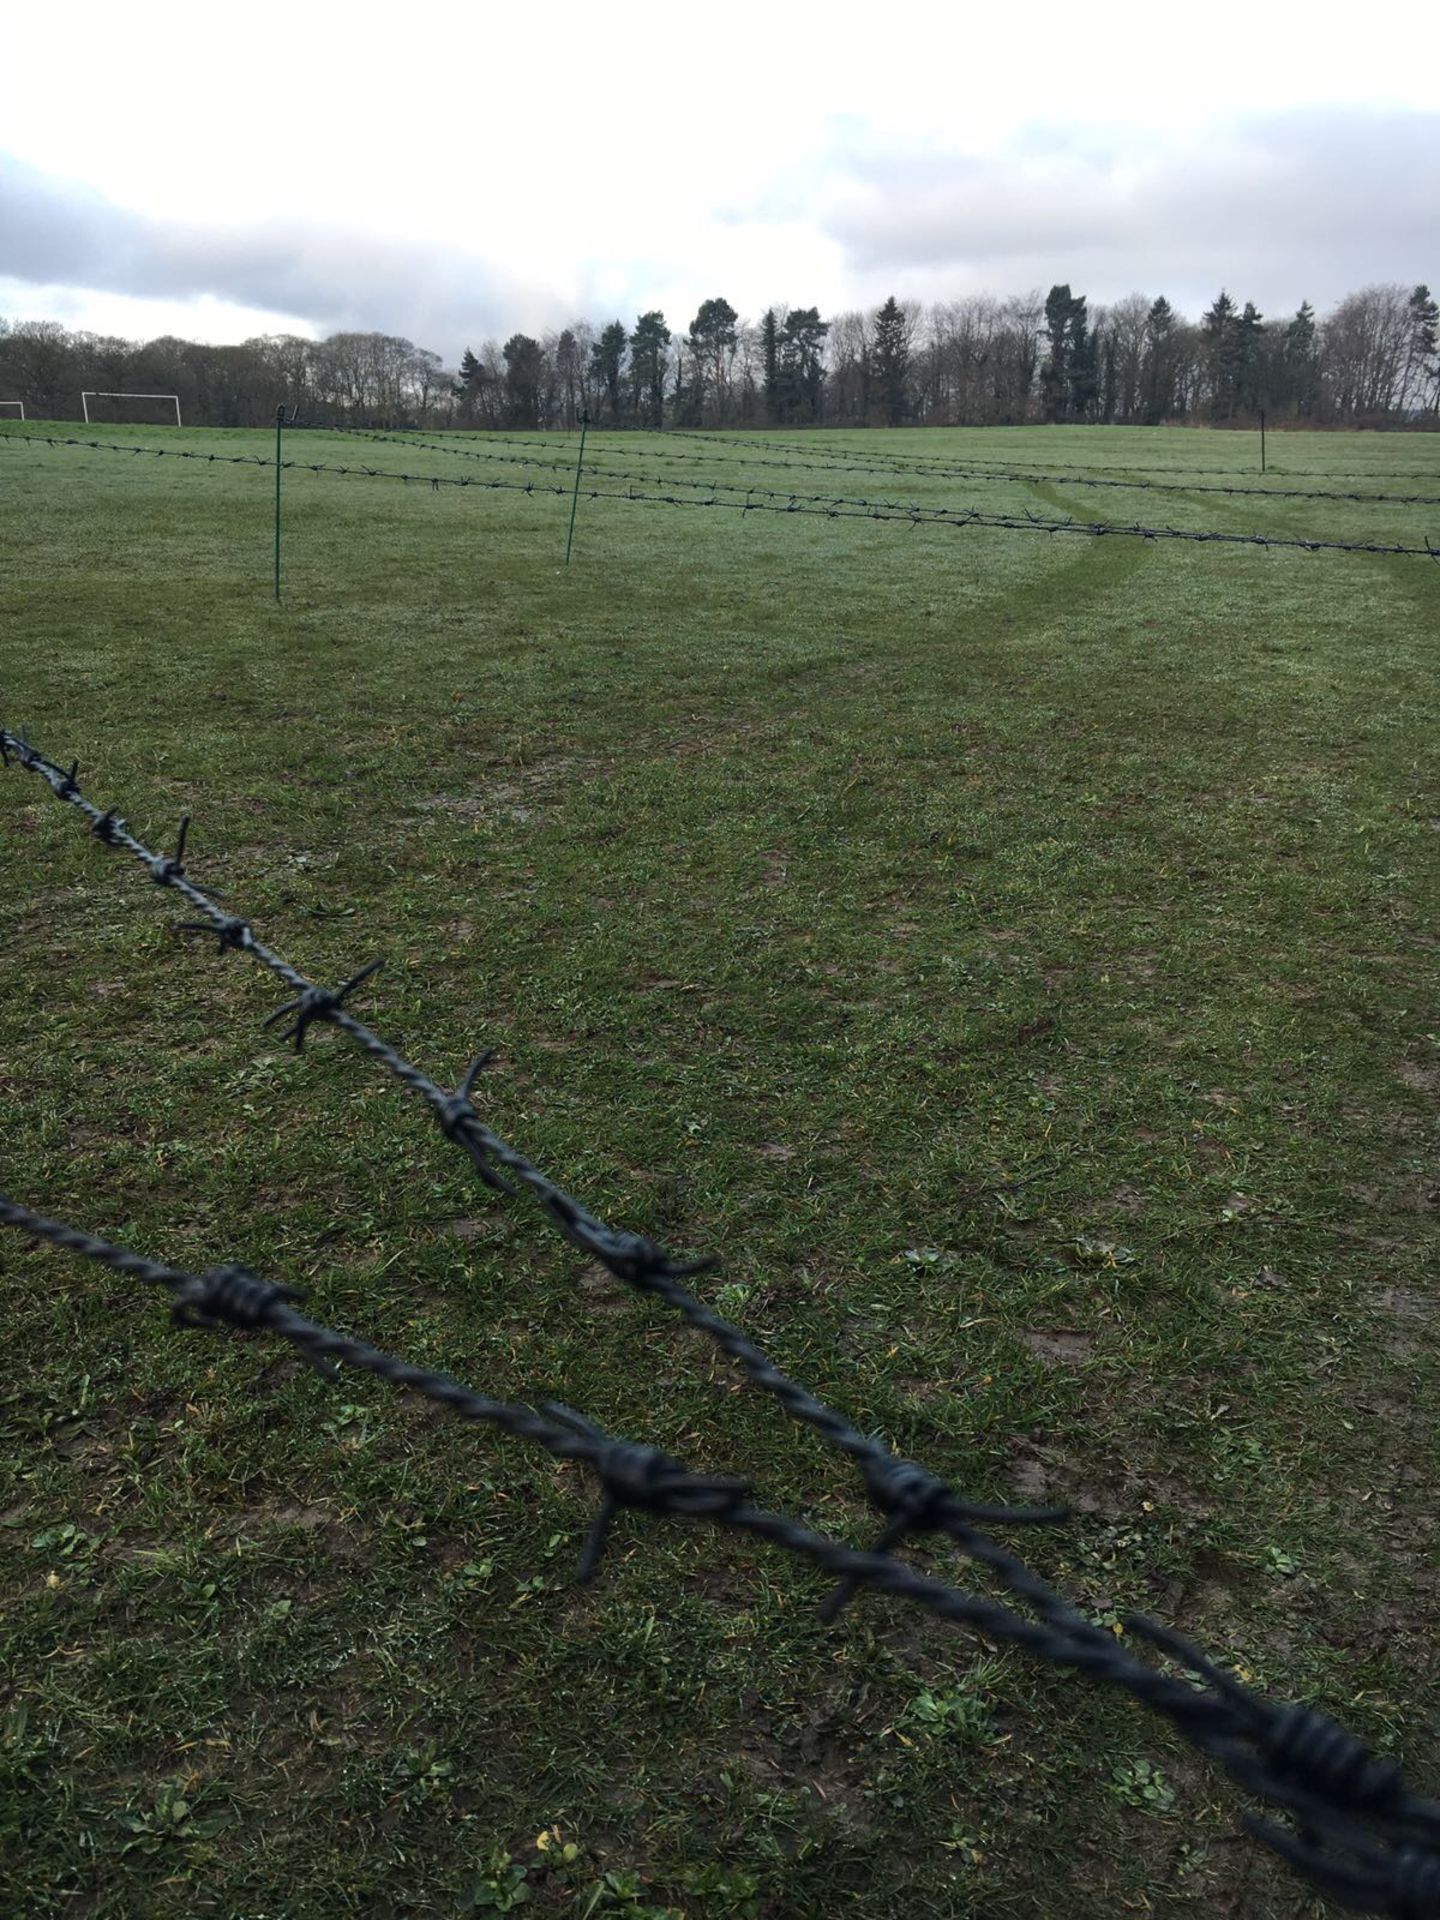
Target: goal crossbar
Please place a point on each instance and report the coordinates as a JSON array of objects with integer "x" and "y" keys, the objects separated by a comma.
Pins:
[
  {"x": 94, "y": 393},
  {"x": 14, "y": 403}
]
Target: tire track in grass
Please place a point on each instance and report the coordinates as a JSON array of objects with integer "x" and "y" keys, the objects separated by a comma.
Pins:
[{"x": 1095, "y": 571}]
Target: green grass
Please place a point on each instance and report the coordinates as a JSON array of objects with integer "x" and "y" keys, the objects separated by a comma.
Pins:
[{"x": 1014, "y": 956}]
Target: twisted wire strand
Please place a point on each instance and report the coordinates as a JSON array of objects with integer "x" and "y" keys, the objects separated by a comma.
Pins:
[{"x": 1361, "y": 1836}]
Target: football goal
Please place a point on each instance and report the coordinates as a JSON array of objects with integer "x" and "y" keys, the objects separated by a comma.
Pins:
[
  {"x": 14, "y": 403},
  {"x": 171, "y": 400}
]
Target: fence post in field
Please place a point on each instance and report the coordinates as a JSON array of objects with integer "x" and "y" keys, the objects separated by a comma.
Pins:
[
  {"x": 575, "y": 497},
  {"x": 279, "y": 441},
  {"x": 1262, "y": 439}
]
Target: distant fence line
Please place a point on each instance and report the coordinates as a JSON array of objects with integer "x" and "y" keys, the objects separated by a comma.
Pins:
[
  {"x": 1355, "y": 1831},
  {"x": 937, "y": 473},
  {"x": 919, "y": 461},
  {"x": 956, "y": 517}
]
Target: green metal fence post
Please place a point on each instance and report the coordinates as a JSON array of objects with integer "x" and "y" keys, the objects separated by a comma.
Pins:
[
  {"x": 279, "y": 442},
  {"x": 575, "y": 497},
  {"x": 1262, "y": 439}
]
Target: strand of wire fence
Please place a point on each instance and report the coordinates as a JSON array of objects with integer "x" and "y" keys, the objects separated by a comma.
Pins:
[
  {"x": 985, "y": 475},
  {"x": 435, "y": 481},
  {"x": 714, "y": 484},
  {"x": 632, "y": 1258},
  {"x": 953, "y": 517},
  {"x": 835, "y": 463},
  {"x": 1028, "y": 522},
  {"x": 1360, "y": 1835},
  {"x": 705, "y": 485},
  {"x": 237, "y": 1297},
  {"x": 916, "y": 462},
  {"x": 955, "y": 467},
  {"x": 842, "y": 460}
]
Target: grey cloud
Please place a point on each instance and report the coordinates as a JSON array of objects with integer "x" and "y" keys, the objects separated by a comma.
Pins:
[
  {"x": 58, "y": 233},
  {"x": 1305, "y": 204}
]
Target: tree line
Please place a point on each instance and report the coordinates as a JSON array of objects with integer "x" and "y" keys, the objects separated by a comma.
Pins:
[{"x": 1373, "y": 361}]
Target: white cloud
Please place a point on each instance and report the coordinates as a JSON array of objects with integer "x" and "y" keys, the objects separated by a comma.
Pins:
[
  {"x": 463, "y": 170},
  {"x": 130, "y": 317}
]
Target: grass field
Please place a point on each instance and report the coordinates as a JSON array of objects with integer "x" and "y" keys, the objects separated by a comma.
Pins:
[{"x": 1015, "y": 956}]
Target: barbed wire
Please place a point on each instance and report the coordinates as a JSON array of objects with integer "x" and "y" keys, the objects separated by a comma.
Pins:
[
  {"x": 435, "y": 481},
  {"x": 630, "y": 1257},
  {"x": 951, "y": 471},
  {"x": 706, "y": 485},
  {"x": 234, "y": 1296},
  {"x": 1358, "y": 1833},
  {"x": 1028, "y": 522},
  {"x": 710, "y": 483},
  {"x": 715, "y": 436},
  {"x": 843, "y": 459},
  {"x": 939, "y": 473},
  {"x": 955, "y": 517}
]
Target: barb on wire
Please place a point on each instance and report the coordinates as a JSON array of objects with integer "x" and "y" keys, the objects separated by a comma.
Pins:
[
  {"x": 1359, "y": 1834},
  {"x": 316, "y": 1003}
]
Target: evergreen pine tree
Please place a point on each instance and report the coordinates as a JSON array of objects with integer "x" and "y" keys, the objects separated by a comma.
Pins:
[
  {"x": 1422, "y": 368},
  {"x": 1217, "y": 329},
  {"x": 712, "y": 342},
  {"x": 1158, "y": 398},
  {"x": 606, "y": 358},
  {"x": 1299, "y": 360},
  {"x": 889, "y": 363},
  {"x": 1249, "y": 360},
  {"x": 525, "y": 367},
  {"x": 770, "y": 360},
  {"x": 1080, "y": 369},
  {"x": 802, "y": 370},
  {"x": 468, "y": 390},
  {"x": 649, "y": 345},
  {"x": 1055, "y": 373}
]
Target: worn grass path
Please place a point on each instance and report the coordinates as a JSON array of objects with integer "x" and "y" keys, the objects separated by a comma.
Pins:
[{"x": 1016, "y": 957}]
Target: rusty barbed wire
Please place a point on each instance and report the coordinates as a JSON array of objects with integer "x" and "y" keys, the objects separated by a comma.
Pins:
[
  {"x": 1357, "y": 1833},
  {"x": 954, "y": 517}
]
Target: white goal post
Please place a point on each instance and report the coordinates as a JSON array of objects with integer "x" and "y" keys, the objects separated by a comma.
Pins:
[
  {"x": 14, "y": 403},
  {"x": 93, "y": 394}
]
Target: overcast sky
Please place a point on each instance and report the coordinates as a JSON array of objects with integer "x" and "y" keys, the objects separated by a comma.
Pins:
[{"x": 459, "y": 172}]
